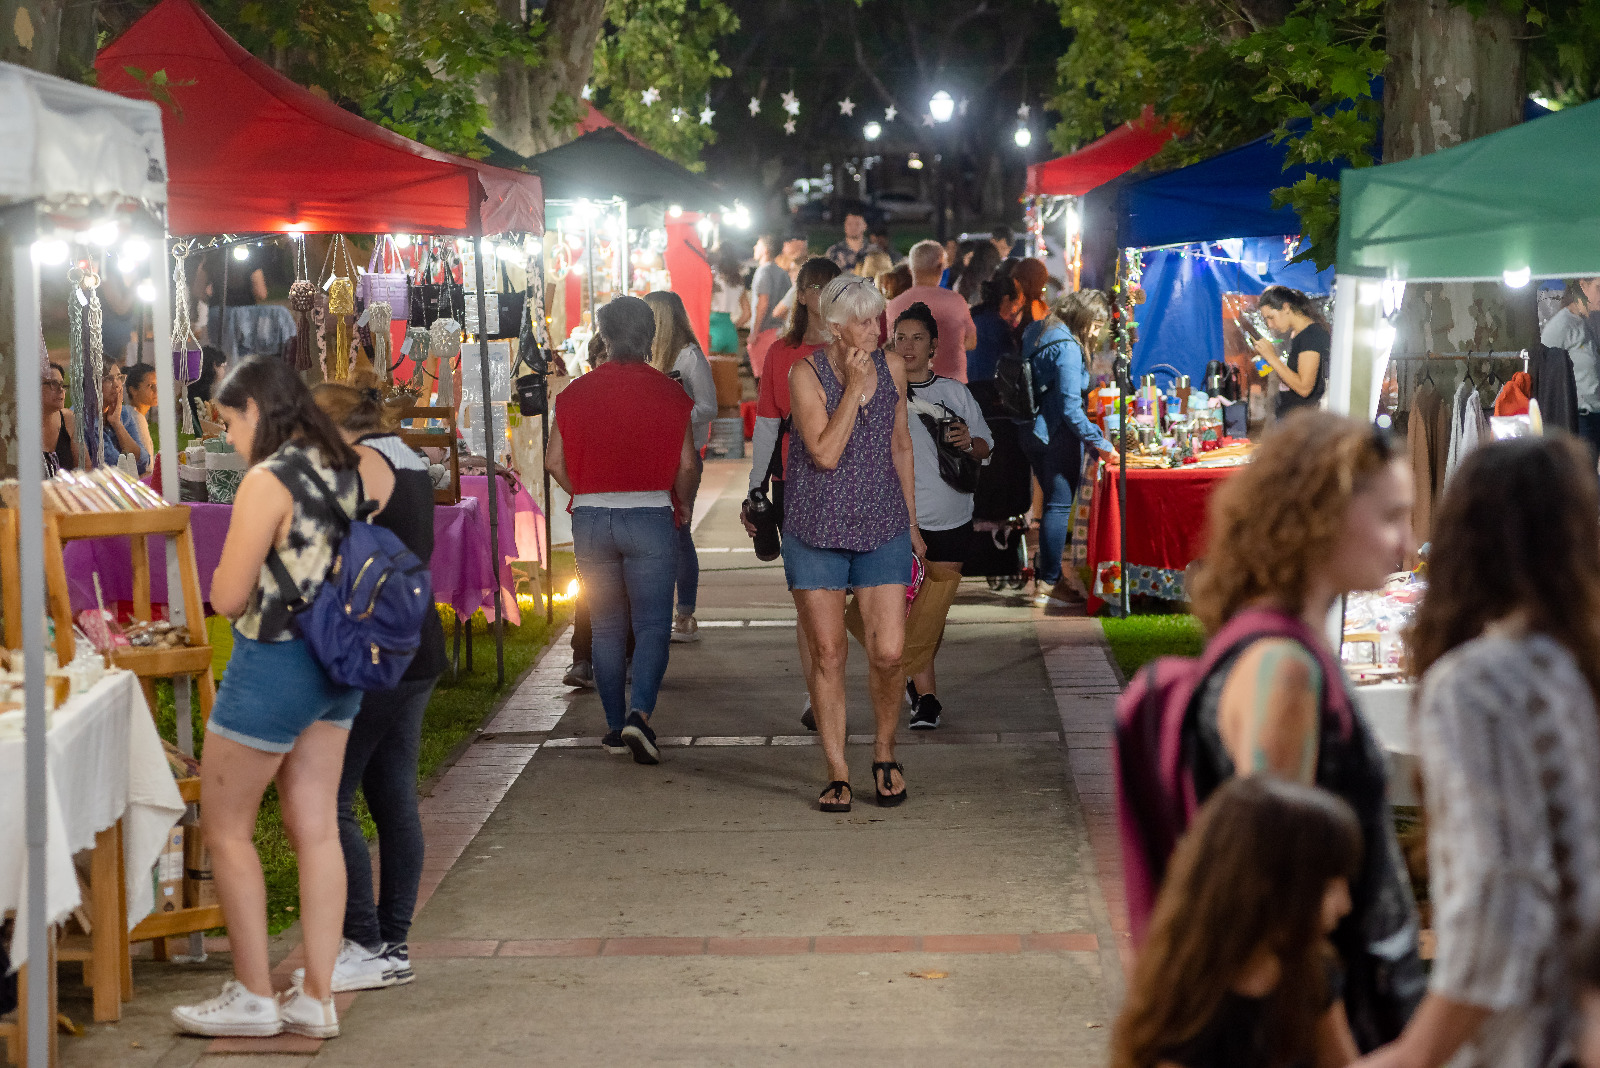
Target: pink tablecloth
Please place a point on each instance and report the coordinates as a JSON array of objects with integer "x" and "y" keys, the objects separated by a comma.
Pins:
[
  {"x": 521, "y": 529},
  {"x": 462, "y": 572}
]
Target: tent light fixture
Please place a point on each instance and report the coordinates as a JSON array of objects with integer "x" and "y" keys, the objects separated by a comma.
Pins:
[
  {"x": 1517, "y": 277},
  {"x": 103, "y": 234},
  {"x": 676, "y": 211},
  {"x": 135, "y": 250},
  {"x": 240, "y": 252},
  {"x": 50, "y": 251},
  {"x": 1023, "y": 137},
  {"x": 146, "y": 291}
]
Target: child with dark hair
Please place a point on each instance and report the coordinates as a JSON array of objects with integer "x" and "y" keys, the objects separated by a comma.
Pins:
[
  {"x": 1237, "y": 970},
  {"x": 277, "y": 716}
]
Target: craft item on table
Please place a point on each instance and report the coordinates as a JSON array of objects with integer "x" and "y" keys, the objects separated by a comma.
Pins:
[
  {"x": 104, "y": 489},
  {"x": 183, "y": 765},
  {"x": 444, "y": 343},
  {"x": 303, "y": 305},
  {"x": 157, "y": 634},
  {"x": 225, "y": 469}
]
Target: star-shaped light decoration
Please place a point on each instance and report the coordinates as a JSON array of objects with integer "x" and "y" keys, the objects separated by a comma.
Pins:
[
  {"x": 847, "y": 106},
  {"x": 650, "y": 96},
  {"x": 706, "y": 115},
  {"x": 586, "y": 91},
  {"x": 755, "y": 106},
  {"x": 888, "y": 116},
  {"x": 788, "y": 127},
  {"x": 791, "y": 103},
  {"x": 1023, "y": 111}
]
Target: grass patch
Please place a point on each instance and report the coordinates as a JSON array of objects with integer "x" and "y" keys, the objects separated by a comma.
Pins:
[
  {"x": 1137, "y": 640},
  {"x": 457, "y": 708}
]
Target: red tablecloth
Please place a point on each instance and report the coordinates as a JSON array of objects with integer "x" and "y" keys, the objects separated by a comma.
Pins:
[
  {"x": 1166, "y": 519},
  {"x": 463, "y": 576}
]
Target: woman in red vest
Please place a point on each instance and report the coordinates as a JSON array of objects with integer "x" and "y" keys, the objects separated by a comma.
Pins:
[{"x": 621, "y": 445}]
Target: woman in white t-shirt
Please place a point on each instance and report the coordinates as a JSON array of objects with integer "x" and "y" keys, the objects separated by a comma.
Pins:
[
  {"x": 936, "y": 405},
  {"x": 677, "y": 353}
]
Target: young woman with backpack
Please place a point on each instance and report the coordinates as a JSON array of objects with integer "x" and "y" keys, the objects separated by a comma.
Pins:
[
  {"x": 1237, "y": 971},
  {"x": 1508, "y": 643},
  {"x": 381, "y": 757},
  {"x": 1322, "y": 509},
  {"x": 277, "y": 716}
]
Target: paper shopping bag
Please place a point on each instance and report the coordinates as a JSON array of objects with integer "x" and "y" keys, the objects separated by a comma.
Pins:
[{"x": 924, "y": 619}]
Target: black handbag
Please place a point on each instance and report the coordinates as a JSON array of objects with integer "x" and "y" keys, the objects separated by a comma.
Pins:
[
  {"x": 958, "y": 468},
  {"x": 435, "y": 294}
]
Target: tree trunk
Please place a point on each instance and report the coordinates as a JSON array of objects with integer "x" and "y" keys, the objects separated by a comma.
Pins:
[
  {"x": 1452, "y": 77},
  {"x": 521, "y": 99}
]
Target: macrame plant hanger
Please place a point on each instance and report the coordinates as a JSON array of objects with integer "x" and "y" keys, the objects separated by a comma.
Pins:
[
  {"x": 303, "y": 306},
  {"x": 187, "y": 358},
  {"x": 445, "y": 343},
  {"x": 342, "y": 306},
  {"x": 87, "y": 361}
]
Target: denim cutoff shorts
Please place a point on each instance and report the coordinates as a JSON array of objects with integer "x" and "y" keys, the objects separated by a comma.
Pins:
[
  {"x": 807, "y": 567},
  {"x": 273, "y": 691}
]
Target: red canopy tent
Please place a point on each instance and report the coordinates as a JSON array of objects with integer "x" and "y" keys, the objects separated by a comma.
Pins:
[
  {"x": 1103, "y": 159},
  {"x": 249, "y": 151}
]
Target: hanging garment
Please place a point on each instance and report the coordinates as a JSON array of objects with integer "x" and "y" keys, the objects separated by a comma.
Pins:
[
  {"x": 1421, "y": 428},
  {"x": 1554, "y": 387},
  {"x": 1514, "y": 396},
  {"x": 1470, "y": 428}
]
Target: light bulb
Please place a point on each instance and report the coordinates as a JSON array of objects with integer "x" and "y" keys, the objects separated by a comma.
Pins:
[
  {"x": 146, "y": 291},
  {"x": 241, "y": 253},
  {"x": 942, "y": 107},
  {"x": 676, "y": 211},
  {"x": 572, "y": 588},
  {"x": 135, "y": 250},
  {"x": 103, "y": 234},
  {"x": 1518, "y": 278},
  {"x": 402, "y": 240},
  {"x": 872, "y": 131},
  {"x": 51, "y": 251},
  {"x": 1023, "y": 137}
]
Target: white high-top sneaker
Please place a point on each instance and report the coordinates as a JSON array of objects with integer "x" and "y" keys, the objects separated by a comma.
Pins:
[
  {"x": 233, "y": 1013},
  {"x": 356, "y": 968},
  {"x": 304, "y": 1015}
]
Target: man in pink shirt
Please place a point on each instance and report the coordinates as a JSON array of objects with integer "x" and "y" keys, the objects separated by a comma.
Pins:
[{"x": 957, "y": 334}]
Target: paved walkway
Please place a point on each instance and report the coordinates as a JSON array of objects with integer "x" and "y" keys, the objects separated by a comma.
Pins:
[{"x": 581, "y": 909}]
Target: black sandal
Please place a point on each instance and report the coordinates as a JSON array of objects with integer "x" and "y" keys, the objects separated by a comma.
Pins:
[
  {"x": 883, "y": 768},
  {"x": 837, "y": 789}
]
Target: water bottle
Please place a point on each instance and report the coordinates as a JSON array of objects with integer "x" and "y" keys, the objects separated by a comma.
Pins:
[{"x": 763, "y": 515}]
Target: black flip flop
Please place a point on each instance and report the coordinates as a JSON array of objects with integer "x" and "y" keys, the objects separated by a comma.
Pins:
[
  {"x": 838, "y": 789},
  {"x": 883, "y": 768}
]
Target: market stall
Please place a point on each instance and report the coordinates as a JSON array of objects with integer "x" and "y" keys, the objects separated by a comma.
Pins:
[
  {"x": 76, "y": 160},
  {"x": 255, "y": 154}
]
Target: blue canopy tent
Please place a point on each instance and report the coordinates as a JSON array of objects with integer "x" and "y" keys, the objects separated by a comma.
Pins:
[{"x": 1210, "y": 229}]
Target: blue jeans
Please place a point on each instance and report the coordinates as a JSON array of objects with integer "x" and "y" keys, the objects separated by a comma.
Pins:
[
  {"x": 381, "y": 758},
  {"x": 632, "y": 553},
  {"x": 1059, "y": 467},
  {"x": 688, "y": 572}
]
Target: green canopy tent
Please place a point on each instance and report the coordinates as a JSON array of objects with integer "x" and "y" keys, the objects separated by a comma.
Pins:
[{"x": 1512, "y": 206}]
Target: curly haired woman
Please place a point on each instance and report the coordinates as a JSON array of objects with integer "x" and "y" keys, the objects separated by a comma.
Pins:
[{"x": 1323, "y": 509}]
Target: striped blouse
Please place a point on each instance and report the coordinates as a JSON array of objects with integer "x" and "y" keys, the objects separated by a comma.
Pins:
[{"x": 1510, "y": 747}]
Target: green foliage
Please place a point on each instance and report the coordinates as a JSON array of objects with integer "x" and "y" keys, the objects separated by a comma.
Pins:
[
  {"x": 412, "y": 65},
  {"x": 159, "y": 86},
  {"x": 1137, "y": 640},
  {"x": 669, "y": 46}
]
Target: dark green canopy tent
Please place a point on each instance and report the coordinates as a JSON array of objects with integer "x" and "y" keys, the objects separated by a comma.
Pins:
[
  {"x": 606, "y": 163},
  {"x": 1521, "y": 199}
]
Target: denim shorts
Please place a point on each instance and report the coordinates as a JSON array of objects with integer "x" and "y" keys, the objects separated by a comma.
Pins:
[
  {"x": 807, "y": 567},
  {"x": 273, "y": 691}
]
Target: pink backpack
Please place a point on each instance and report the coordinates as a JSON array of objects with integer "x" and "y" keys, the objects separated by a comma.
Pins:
[{"x": 1156, "y": 797}]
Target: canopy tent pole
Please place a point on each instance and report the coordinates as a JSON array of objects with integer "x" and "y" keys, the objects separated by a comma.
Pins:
[
  {"x": 488, "y": 447},
  {"x": 30, "y": 521},
  {"x": 1341, "y": 392}
]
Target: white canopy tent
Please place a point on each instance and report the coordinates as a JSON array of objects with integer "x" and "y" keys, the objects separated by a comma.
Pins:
[{"x": 76, "y": 158}]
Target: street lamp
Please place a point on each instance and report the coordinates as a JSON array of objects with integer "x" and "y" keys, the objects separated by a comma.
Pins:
[
  {"x": 942, "y": 107},
  {"x": 872, "y": 131},
  {"x": 1023, "y": 137}
]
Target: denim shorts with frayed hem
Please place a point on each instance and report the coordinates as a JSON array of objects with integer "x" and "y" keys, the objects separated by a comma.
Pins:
[
  {"x": 273, "y": 691},
  {"x": 807, "y": 567}
]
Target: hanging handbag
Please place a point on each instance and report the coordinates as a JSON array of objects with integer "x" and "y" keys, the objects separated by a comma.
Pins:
[
  {"x": 436, "y": 294},
  {"x": 957, "y": 467},
  {"x": 386, "y": 281},
  {"x": 511, "y": 305}
]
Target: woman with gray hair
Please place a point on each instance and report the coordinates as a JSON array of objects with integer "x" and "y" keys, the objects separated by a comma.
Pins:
[
  {"x": 628, "y": 497},
  {"x": 849, "y": 495}
]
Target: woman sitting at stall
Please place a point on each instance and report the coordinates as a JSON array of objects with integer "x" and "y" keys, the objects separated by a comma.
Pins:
[
  {"x": 277, "y": 716},
  {"x": 57, "y": 430}
]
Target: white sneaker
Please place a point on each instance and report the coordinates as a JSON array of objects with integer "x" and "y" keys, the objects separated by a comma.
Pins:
[
  {"x": 304, "y": 1015},
  {"x": 356, "y": 968},
  {"x": 685, "y": 629},
  {"x": 234, "y": 1013}
]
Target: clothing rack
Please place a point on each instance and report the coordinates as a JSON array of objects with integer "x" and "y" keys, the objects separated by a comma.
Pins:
[{"x": 1487, "y": 371}]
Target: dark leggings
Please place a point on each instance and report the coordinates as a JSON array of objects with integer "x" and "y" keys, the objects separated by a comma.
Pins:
[{"x": 381, "y": 758}]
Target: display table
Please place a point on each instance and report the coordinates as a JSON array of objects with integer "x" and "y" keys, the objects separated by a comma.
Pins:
[
  {"x": 105, "y": 764},
  {"x": 463, "y": 575},
  {"x": 1387, "y": 709},
  {"x": 1166, "y": 530},
  {"x": 521, "y": 529}
]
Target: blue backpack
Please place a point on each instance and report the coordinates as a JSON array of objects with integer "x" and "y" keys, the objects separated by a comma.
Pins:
[{"x": 364, "y": 623}]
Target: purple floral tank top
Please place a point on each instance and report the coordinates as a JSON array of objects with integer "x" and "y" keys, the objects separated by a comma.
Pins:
[{"x": 859, "y": 505}]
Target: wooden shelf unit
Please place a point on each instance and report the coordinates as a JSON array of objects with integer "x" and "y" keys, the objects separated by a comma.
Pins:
[{"x": 435, "y": 438}]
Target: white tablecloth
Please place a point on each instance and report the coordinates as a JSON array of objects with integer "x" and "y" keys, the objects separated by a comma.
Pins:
[
  {"x": 105, "y": 764},
  {"x": 1386, "y": 707}
]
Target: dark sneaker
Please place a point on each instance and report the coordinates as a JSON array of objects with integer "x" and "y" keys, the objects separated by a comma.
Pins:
[
  {"x": 397, "y": 955},
  {"x": 638, "y": 737},
  {"x": 613, "y": 743},
  {"x": 580, "y": 676},
  {"x": 925, "y": 716}
]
